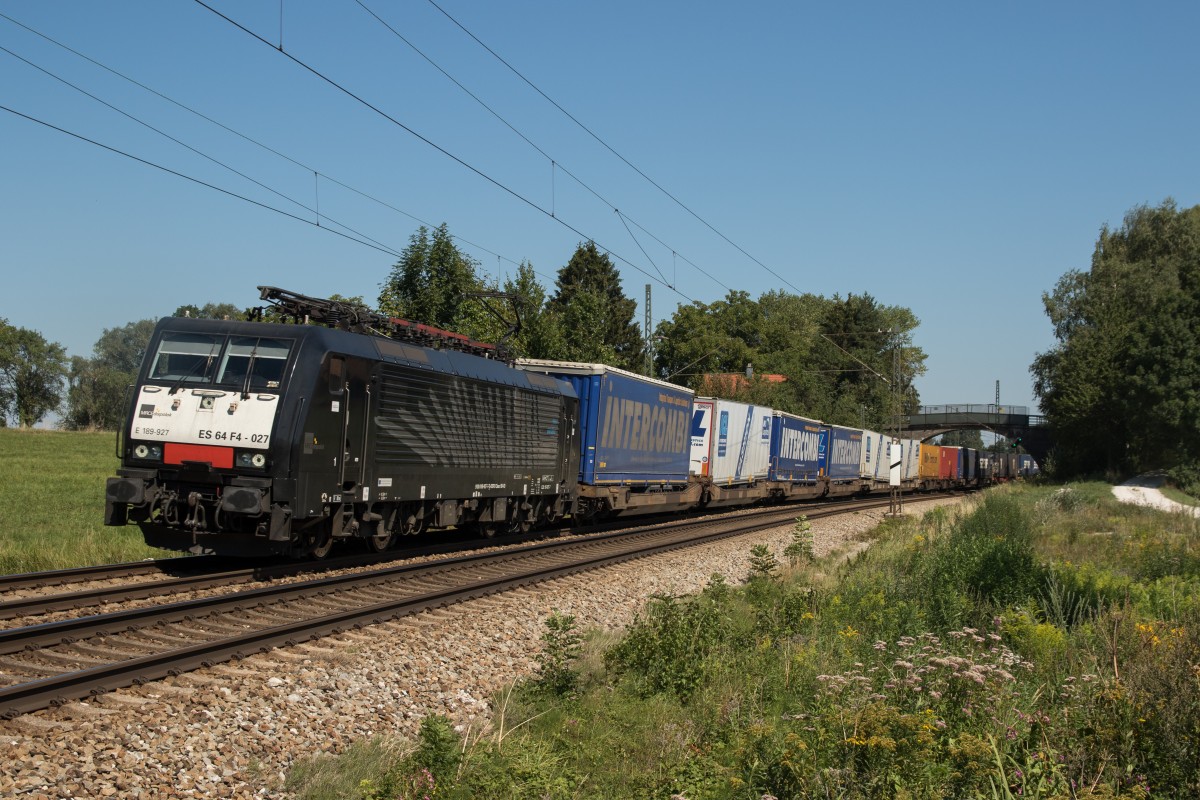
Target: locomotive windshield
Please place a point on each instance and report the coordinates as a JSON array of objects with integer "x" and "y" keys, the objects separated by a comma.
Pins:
[
  {"x": 263, "y": 358},
  {"x": 186, "y": 357},
  {"x": 195, "y": 358}
]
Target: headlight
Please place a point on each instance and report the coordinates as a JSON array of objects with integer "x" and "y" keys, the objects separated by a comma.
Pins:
[
  {"x": 148, "y": 452},
  {"x": 251, "y": 460}
]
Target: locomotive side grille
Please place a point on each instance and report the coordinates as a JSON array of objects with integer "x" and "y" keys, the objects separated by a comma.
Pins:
[{"x": 431, "y": 419}]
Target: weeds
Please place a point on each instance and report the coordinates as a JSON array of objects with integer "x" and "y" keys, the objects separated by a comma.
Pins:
[
  {"x": 801, "y": 548},
  {"x": 561, "y": 646},
  {"x": 992, "y": 655}
]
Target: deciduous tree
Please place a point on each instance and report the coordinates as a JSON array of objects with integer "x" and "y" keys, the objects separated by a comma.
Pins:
[
  {"x": 1121, "y": 387},
  {"x": 31, "y": 375},
  {"x": 96, "y": 385}
]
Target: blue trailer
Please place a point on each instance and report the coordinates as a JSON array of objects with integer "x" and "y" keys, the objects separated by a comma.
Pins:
[
  {"x": 795, "y": 449},
  {"x": 840, "y": 458},
  {"x": 795, "y": 466},
  {"x": 634, "y": 435}
]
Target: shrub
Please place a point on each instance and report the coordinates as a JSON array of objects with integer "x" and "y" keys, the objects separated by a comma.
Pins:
[
  {"x": 763, "y": 563},
  {"x": 561, "y": 647},
  {"x": 802, "y": 547},
  {"x": 987, "y": 555},
  {"x": 665, "y": 649}
]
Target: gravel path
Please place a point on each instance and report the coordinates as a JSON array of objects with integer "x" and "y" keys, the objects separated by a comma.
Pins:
[
  {"x": 1143, "y": 491},
  {"x": 233, "y": 730}
]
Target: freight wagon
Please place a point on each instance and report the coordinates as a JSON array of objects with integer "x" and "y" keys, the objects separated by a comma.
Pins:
[
  {"x": 634, "y": 438},
  {"x": 795, "y": 467},
  {"x": 730, "y": 449}
]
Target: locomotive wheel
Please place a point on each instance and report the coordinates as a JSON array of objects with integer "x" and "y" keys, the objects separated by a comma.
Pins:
[
  {"x": 321, "y": 544},
  {"x": 377, "y": 544}
]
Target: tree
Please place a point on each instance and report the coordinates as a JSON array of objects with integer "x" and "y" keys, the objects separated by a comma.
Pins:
[
  {"x": 964, "y": 438},
  {"x": 837, "y": 356},
  {"x": 541, "y": 332},
  {"x": 96, "y": 385},
  {"x": 1121, "y": 387},
  {"x": 31, "y": 375},
  {"x": 211, "y": 311},
  {"x": 433, "y": 283},
  {"x": 591, "y": 281}
]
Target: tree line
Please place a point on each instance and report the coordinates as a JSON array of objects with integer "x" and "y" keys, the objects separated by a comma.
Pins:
[
  {"x": 1121, "y": 386},
  {"x": 845, "y": 360}
]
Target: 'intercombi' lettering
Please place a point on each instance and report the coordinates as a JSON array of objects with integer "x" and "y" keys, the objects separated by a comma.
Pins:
[{"x": 632, "y": 425}]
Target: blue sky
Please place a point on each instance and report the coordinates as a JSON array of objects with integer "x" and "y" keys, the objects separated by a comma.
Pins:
[{"x": 954, "y": 158}]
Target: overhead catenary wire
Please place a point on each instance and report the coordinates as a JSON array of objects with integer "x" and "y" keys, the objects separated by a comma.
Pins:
[
  {"x": 609, "y": 147},
  {"x": 467, "y": 165},
  {"x": 187, "y": 146},
  {"x": 256, "y": 142},
  {"x": 176, "y": 173},
  {"x": 554, "y": 163}
]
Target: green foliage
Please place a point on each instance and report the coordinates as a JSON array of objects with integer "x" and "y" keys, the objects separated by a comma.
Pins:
[
  {"x": 1075, "y": 681},
  {"x": 439, "y": 748},
  {"x": 97, "y": 385},
  {"x": 32, "y": 371},
  {"x": 986, "y": 556},
  {"x": 973, "y": 439},
  {"x": 1121, "y": 387},
  {"x": 595, "y": 312},
  {"x": 763, "y": 564},
  {"x": 665, "y": 649},
  {"x": 433, "y": 282},
  {"x": 830, "y": 351},
  {"x": 541, "y": 331},
  {"x": 210, "y": 311},
  {"x": 801, "y": 547},
  {"x": 561, "y": 647}
]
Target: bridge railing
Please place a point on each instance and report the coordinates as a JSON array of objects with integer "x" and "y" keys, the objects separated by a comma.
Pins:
[{"x": 968, "y": 408}]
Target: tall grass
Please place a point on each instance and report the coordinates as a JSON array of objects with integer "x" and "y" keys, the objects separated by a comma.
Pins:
[
  {"x": 1045, "y": 645},
  {"x": 52, "y": 502}
]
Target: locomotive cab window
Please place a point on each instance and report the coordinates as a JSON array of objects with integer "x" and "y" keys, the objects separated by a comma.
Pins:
[
  {"x": 186, "y": 357},
  {"x": 259, "y": 358}
]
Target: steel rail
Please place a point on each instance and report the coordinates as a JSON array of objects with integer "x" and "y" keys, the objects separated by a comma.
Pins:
[
  {"x": 211, "y": 572},
  {"x": 58, "y": 577},
  {"x": 24, "y": 697}
]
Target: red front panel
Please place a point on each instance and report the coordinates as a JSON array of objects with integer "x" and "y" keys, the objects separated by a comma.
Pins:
[{"x": 218, "y": 457}]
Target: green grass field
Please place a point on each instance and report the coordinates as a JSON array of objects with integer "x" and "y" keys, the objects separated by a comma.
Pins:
[{"x": 52, "y": 502}]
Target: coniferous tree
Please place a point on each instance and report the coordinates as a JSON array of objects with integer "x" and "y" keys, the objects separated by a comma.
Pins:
[{"x": 596, "y": 312}]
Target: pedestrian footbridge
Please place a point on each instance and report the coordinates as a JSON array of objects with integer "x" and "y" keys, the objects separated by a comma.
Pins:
[{"x": 1012, "y": 422}]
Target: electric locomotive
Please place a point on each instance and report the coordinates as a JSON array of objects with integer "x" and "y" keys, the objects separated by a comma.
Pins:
[{"x": 266, "y": 438}]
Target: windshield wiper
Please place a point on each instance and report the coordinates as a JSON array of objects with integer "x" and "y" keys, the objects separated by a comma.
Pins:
[
  {"x": 249, "y": 370},
  {"x": 191, "y": 372}
]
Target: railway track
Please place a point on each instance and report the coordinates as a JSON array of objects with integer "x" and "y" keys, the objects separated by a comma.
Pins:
[
  {"x": 53, "y": 663},
  {"x": 26, "y": 596}
]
